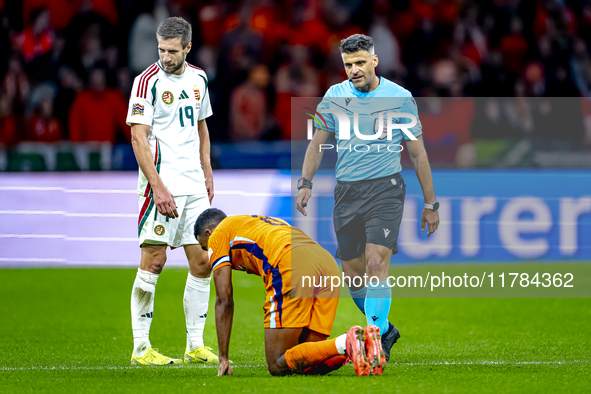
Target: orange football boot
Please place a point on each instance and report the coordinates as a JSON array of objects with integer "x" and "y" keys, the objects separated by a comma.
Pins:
[
  {"x": 373, "y": 347},
  {"x": 356, "y": 351}
]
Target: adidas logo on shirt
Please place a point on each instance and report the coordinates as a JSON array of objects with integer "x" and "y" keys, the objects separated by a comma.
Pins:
[{"x": 183, "y": 95}]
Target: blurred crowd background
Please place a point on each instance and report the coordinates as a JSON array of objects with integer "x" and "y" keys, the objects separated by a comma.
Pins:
[{"x": 67, "y": 67}]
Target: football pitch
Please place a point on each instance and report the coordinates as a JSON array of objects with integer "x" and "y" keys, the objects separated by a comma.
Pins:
[{"x": 69, "y": 330}]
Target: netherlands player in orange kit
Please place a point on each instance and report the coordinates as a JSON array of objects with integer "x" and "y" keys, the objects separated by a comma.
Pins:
[{"x": 298, "y": 320}]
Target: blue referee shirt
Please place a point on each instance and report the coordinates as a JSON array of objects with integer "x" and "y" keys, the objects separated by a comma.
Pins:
[{"x": 362, "y": 159}]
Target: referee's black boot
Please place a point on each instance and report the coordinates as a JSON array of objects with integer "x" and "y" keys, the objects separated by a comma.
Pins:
[{"x": 389, "y": 339}]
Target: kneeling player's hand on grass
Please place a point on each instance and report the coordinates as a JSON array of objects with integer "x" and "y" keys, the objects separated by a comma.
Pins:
[
  {"x": 225, "y": 368},
  {"x": 431, "y": 218},
  {"x": 302, "y": 198}
]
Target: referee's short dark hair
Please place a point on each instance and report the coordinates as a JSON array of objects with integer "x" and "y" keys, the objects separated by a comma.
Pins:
[
  {"x": 356, "y": 43},
  {"x": 175, "y": 27},
  {"x": 207, "y": 218}
]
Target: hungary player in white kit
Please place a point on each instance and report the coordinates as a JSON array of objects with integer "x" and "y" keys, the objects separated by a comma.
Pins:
[{"x": 167, "y": 110}]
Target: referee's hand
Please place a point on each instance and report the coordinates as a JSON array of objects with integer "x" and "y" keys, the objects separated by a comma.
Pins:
[
  {"x": 431, "y": 218},
  {"x": 302, "y": 198}
]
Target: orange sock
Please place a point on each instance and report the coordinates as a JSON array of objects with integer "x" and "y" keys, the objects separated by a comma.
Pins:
[
  {"x": 308, "y": 354},
  {"x": 327, "y": 366}
]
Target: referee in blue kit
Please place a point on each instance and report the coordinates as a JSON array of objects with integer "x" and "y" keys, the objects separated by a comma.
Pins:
[{"x": 369, "y": 196}]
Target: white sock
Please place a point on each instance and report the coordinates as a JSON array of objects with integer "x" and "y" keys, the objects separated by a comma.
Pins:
[
  {"x": 196, "y": 301},
  {"x": 142, "y": 310},
  {"x": 341, "y": 343}
]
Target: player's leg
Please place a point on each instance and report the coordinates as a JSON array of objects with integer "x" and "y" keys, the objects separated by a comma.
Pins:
[
  {"x": 142, "y": 298},
  {"x": 196, "y": 303},
  {"x": 154, "y": 236},
  {"x": 351, "y": 239},
  {"x": 377, "y": 305},
  {"x": 356, "y": 268},
  {"x": 314, "y": 354},
  {"x": 142, "y": 306},
  {"x": 287, "y": 317},
  {"x": 378, "y": 298},
  {"x": 351, "y": 243},
  {"x": 197, "y": 288},
  {"x": 382, "y": 224},
  {"x": 286, "y": 355},
  {"x": 277, "y": 342},
  {"x": 326, "y": 366}
]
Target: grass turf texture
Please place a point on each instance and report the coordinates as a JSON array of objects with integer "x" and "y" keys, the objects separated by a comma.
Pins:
[{"x": 69, "y": 330}]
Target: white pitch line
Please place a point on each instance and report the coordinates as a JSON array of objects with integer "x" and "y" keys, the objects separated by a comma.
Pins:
[
  {"x": 33, "y": 236},
  {"x": 25, "y": 212},
  {"x": 495, "y": 363},
  {"x": 443, "y": 363},
  {"x": 33, "y": 188},
  {"x": 31, "y": 260},
  {"x": 67, "y": 238},
  {"x": 116, "y": 368}
]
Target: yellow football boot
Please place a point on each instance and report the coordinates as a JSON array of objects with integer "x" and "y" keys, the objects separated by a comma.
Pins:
[
  {"x": 201, "y": 355},
  {"x": 152, "y": 357}
]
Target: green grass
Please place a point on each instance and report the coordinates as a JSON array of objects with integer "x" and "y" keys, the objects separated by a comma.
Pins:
[{"x": 69, "y": 330}]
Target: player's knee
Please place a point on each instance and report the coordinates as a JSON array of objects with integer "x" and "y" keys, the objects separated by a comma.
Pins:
[
  {"x": 201, "y": 269},
  {"x": 375, "y": 262},
  {"x": 354, "y": 267},
  {"x": 276, "y": 370},
  {"x": 156, "y": 264},
  {"x": 156, "y": 267}
]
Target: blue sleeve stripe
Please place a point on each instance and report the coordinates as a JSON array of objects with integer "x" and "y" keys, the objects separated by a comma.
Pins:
[{"x": 222, "y": 259}]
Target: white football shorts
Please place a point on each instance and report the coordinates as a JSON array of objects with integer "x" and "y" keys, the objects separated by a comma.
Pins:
[{"x": 156, "y": 229}]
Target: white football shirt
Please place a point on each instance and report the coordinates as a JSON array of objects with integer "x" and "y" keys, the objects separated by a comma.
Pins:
[{"x": 171, "y": 105}]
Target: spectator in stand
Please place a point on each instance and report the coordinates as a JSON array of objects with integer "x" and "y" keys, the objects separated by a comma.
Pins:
[
  {"x": 5, "y": 42},
  {"x": 36, "y": 40},
  {"x": 89, "y": 35},
  {"x": 249, "y": 107},
  {"x": 142, "y": 36},
  {"x": 43, "y": 130},
  {"x": 239, "y": 50},
  {"x": 43, "y": 126},
  {"x": 468, "y": 37},
  {"x": 297, "y": 78},
  {"x": 211, "y": 23},
  {"x": 97, "y": 113},
  {"x": 514, "y": 48},
  {"x": 580, "y": 64},
  {"x": 68, "y": 87},
  {"x": 7, "y": 131},
  {"x": 16, "y": 85},
  {"x": 386, "y": 44},
  {"x": 61, "y": 11},
  {"x": 8, "y": 134}
]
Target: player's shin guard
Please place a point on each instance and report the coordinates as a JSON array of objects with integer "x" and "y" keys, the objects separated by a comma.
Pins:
[
  {"x": 142, "y": 310},
  {"x": 308, "y": 354},
  {"x": 196, "y": 302},
  {"x": 359, "y": 298},
  {"x": 377, "y": 305}
]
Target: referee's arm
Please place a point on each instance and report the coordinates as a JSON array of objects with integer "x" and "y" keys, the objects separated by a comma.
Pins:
[
  {"x": 420, "y": 161},
  {"x": 311, "y": 163}
]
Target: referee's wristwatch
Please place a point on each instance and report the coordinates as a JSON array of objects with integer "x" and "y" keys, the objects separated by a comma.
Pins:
[
  {"x": 304, "y": 183},
  {"x": 432, "y": 207}
]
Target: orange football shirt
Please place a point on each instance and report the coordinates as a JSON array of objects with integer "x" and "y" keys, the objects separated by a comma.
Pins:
[{"x": 253, "y": 243}]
